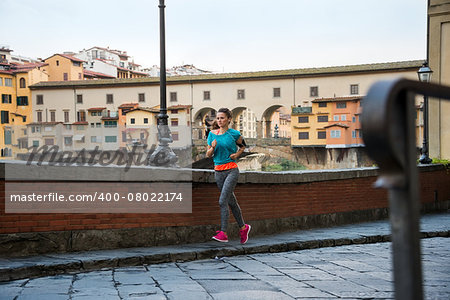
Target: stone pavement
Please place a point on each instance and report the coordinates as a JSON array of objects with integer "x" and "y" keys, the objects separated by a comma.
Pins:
[{"x": 359, "y": 268}]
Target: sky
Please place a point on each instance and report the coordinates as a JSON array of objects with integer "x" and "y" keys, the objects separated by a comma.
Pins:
[{"x": 223, "y": 35}]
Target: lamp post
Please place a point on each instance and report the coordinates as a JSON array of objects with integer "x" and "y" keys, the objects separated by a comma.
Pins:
[
  {"x": 163, "y": 155},
  {"x": 425, "y": 76},
  {"x": 276, "y": 132}
]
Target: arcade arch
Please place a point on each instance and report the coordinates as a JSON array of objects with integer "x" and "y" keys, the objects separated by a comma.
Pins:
[
  {"x": 202, "y": 122},
  {"x": 275, "y": 116}
]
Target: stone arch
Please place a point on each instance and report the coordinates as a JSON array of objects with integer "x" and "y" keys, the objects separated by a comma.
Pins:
[
  {"x": 246, "y": 121},
  {"x": 202, "y": 122},
  {"x": 266, "y": 124},
  {"x": 236, "y": 112}
]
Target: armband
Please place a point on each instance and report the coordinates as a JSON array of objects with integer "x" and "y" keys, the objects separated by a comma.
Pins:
[{"x": 243, "y": 144}]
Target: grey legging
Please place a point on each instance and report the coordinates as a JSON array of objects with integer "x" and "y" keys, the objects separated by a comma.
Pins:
[{"x": 226, "y": 181}]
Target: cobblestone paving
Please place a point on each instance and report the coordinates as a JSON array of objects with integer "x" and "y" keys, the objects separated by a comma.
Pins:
[{"x": 345, "y": 272}]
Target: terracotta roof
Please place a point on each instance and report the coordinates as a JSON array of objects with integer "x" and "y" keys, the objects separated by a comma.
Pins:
[
  {"x": 72, "y": 58},
  {"x": 179, "y": 106},
  {"x": 151, "y": 110},
  {"x": 336, "y": 124},
  {"x": 96, "y": 108},
  {"x": 110, "y": 118},
  {"x": 6, "y": 72},
  {"x": 88, "y": 73},
  {"x": 66, "y": 56},
  {"x": 27, "y": 67},
  {"x": 80, "y": 123},
  {"x": 128, "y": 104},
  {"x": 44, "y": 123},
  {"x": 337, "y": 99},
  {"x": 123, "y": 69},
  {"x": 138, "y": 72},
  {"x": 263, "y": 75}
]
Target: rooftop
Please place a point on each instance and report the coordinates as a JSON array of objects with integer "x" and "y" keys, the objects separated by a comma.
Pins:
[
  {"x": 278, "y": 74},
  {"x": 88, "y": 73},
  {"x": 96, "y": 108},
  {"x": 44, "y": 123},
  {"x": 18, "y": 68},
  {"x": 67, "y": 56},
  {"x": 336, "y": 124},
  {"x": 336, "y": 99},
  {"x": 128, "y": 104},
  {"x": 148, "y": 109}
]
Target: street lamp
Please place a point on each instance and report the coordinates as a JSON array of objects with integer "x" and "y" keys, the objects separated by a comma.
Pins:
[
  {"x": 425, "y": 76},
  {"x": 163, "y": 155},
  {"x": 276, "y": 132}
]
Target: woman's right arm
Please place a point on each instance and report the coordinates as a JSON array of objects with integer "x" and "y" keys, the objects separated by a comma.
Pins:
[{"x": 211, "y": 148}]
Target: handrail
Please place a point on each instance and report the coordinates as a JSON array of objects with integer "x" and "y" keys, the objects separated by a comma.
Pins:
[{"x": 388, "y": 126}]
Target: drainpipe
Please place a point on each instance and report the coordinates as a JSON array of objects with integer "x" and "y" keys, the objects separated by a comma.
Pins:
[
  {"x": 190, "y": 113},
  {"x": 75, "y": 103},
  {"x": 293, "y": 80}
]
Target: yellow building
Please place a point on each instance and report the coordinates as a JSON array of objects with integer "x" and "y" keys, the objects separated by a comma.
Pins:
[
  {"x": 62, "y": 67},
  {"x": 8, "y": 92},
  {"x": 308, "y": 125},
  {"x": 141, "y": 126},
  {"x": 16, "y": 108}
]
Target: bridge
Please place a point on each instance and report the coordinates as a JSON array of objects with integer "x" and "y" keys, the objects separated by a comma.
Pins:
[{"x": 311, "y": 157}]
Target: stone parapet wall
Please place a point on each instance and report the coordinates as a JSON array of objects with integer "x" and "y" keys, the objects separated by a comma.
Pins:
[{"x": 271, "y": 202}]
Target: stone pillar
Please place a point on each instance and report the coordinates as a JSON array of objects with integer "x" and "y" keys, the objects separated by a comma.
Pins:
[
  {"x": 268, "y": 125},
  {"x": 259, "y": 129}
]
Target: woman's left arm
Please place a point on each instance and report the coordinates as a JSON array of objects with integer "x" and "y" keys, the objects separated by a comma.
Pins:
[{"x": 235, "y": 156}]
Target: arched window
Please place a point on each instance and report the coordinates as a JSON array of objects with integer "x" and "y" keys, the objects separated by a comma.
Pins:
[{"x": 22, "y": 83}]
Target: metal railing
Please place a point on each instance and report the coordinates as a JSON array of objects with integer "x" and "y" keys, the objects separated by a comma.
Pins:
[{"x": 388, "y": 125}]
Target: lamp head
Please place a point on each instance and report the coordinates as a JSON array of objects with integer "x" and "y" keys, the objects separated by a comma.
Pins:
[{"x": 425, "y": 73}]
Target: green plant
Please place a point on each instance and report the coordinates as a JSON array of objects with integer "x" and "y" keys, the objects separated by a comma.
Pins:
[
  {"x": 284, "y": 165},
  {"x": 445, "y": 162}
]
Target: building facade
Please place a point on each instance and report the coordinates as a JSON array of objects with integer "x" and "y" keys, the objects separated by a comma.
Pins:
[
  {"x": 16, "y": 108},
  {"x": 439, "y": 62},
  {"x": 261, "y": 93},
  {"x": 63, "y": 67},
  {"x": 109, "y": 62}
]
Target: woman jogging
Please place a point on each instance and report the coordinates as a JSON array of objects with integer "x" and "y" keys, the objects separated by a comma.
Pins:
[{"x": 222, "y": 146}]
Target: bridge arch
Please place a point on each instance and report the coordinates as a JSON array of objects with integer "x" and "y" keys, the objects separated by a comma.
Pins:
[
  {"x": 267, "y": 125},
  {"x": 202, "y": 122},
  {"x": 255, "y": 122},
  {"x": 236, "y": 113}
]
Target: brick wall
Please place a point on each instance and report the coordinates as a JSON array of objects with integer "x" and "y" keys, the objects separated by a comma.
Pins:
[{"x": 259, "y": 201}]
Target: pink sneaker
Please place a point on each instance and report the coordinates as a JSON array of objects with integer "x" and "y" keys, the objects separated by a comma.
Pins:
[
  {"x": 220, "y": 237},
  {"x": 244, "y": 233}
]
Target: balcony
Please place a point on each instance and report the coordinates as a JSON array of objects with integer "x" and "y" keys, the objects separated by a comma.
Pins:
[{"x": 302, "y": 110}]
